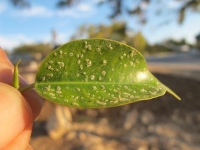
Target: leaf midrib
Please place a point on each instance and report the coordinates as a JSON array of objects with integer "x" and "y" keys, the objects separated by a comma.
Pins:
[{"x": 85, "y": 83}]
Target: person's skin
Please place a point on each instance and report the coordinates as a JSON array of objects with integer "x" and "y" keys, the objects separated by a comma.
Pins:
[{"x": 17, "y": 111}]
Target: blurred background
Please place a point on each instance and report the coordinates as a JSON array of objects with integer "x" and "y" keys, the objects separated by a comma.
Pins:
[{"x": 166, "y": 32}]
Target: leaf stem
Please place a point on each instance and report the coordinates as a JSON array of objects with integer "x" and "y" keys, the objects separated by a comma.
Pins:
[{"x": 28, "y": 87}]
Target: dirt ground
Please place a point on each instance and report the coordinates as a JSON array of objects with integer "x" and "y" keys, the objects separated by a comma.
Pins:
[{"x": 163, "y": 123}]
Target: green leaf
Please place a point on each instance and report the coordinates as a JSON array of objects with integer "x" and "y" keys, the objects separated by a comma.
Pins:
[{"x": 93, "y": 73}]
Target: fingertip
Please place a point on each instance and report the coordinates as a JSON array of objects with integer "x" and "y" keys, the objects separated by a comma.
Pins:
[{"x": 15, "y": 114}]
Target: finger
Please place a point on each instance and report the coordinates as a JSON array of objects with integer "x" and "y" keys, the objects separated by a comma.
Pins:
[
  {"x": 6, "y": 76},
  {"x": 34, "y": 100},
  {"x": 6, "y": 68},
  {"x": 21, "y": 141},
  {"x": 5, "y": 59},
  {"x": 16, "y": 117}
]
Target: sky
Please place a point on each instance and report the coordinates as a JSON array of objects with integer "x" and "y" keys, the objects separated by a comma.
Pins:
[{"x": 35, "y": 24}]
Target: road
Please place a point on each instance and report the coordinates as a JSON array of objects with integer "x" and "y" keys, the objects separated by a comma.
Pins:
[{"x": 184, "y": 64}]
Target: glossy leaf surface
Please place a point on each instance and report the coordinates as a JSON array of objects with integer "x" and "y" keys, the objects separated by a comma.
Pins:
[{"x": 94, "y": 73}]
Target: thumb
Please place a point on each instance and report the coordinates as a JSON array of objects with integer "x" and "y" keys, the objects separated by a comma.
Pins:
[{"x": 15, "y": 119}]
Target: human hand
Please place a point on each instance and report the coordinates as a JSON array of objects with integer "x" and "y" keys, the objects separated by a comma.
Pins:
[{"x": 17, "y": 111}]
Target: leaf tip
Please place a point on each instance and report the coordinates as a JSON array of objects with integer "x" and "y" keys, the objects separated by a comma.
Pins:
[{"x": 172, "y": 93}]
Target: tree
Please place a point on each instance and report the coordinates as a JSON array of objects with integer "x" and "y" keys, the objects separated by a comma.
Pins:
[
  {"x": 116, "y": 31},
  {"x": 20, "y": 3},
  {"x": 198, "y": 41},
  {"x": 44, "y": 49},
  {"x": 139, "y": 42},
  {"x": 176, "y": 42},
  {"x": 119, "y": 6}
]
